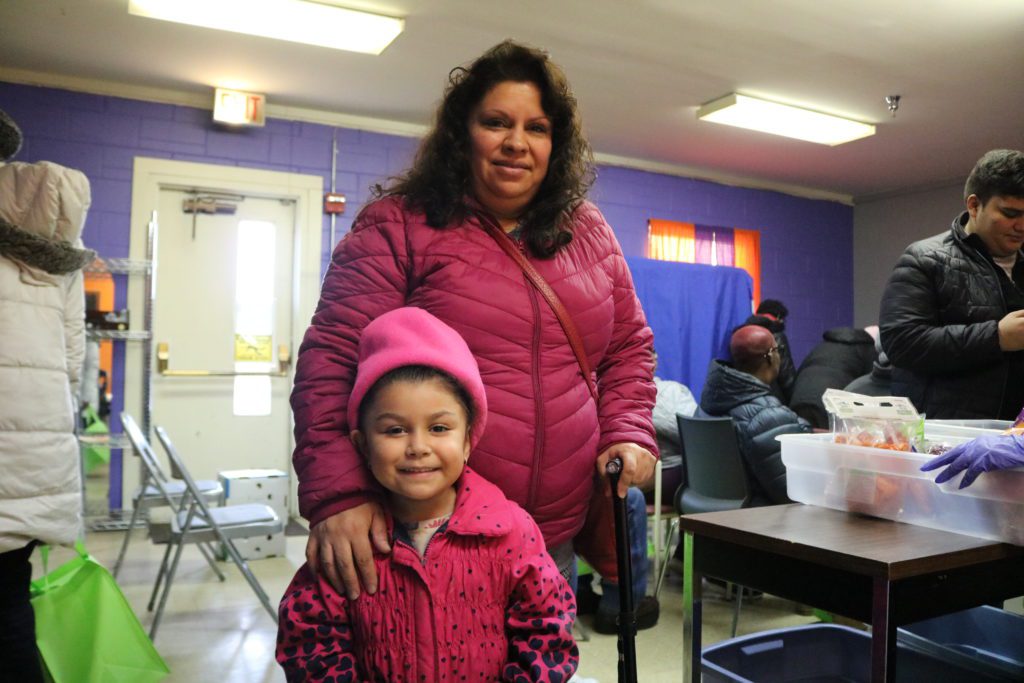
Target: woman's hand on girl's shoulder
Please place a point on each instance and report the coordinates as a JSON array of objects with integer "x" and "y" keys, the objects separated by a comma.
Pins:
[{"x": 340, "y": 548}]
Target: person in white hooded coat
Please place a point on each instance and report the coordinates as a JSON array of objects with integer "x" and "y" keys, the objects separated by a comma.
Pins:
[{"x": 42, "y": 319}]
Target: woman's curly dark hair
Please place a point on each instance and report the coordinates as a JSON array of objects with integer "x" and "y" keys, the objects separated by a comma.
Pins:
[{"x": 440, "y": 175}]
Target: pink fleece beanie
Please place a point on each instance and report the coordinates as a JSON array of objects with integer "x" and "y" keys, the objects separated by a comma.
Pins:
[{"x": 411, "y": 336}]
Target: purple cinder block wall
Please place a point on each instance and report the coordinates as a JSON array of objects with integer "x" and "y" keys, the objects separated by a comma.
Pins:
[
  {"x": 806, "y": 245},
  {"x": 101, "y": 136}
]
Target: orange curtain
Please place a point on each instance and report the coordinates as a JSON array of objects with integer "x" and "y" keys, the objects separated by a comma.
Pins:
[
  {"x": 747, "y": 244},
  {"x": 671, "y": 241},
  {"x": 102, "y": 285}
]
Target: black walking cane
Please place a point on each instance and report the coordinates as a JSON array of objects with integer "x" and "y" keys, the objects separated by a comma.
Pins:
[{"x": 627, "y": 617}]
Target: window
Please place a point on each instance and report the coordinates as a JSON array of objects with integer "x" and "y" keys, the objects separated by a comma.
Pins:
[
  {"x": 713, "y": 246},
  {"x": 254, "y": 316}
]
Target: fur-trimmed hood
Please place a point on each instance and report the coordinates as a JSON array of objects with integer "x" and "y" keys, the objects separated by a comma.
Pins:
[
  {"x": 56, "y": 258},
  {"x": 45, "y": 199},
  {"x": 42, "y": 214}
]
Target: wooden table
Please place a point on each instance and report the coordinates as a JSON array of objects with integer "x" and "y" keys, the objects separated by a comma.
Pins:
[{"x": 883, "y": 573}]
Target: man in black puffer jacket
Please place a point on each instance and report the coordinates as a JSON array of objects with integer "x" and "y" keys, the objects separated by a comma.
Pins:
[
  {"x": 952, "y": 318},
  {"x": 741, "y": 391}
]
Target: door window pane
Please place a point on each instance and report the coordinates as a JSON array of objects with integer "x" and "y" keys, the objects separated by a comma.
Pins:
[{"x": 254, "y": 316}]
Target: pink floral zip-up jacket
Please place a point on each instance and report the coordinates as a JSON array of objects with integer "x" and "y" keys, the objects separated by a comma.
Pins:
[
  {"x": 485, "y": 603},
  {"x": 544, "y": 430}
]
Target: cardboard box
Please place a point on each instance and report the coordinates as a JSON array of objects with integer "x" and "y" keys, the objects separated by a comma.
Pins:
[
  {"x": 260, "y": 547},
  {"x": 268, "y": 487}
]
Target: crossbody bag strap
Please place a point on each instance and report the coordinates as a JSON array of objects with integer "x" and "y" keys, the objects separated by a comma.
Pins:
[{"x": 542, "y": 286}]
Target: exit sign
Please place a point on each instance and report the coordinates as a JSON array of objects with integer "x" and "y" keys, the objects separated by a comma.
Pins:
[{"x": 238, "y": 108}]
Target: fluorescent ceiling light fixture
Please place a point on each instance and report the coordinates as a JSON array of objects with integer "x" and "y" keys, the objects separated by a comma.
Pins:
[
  {"x": 782, "y": 119},
  {"x": 293, "y": 20}
]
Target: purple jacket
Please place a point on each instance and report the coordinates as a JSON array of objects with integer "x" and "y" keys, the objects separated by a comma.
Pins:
[
  {"x": 544, "y": 431},
  {"x": 485, "y": 603}
]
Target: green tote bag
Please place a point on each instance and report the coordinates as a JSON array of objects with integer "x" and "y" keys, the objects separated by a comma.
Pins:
[
  {"x": 85, "y": 629},
  {"x": 94, "y": 454}
]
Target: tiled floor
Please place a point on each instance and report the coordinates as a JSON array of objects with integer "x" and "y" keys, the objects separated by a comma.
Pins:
[{"x": 219, "y": 633}]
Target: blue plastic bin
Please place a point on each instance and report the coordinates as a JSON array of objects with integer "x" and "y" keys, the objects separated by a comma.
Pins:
[
  {"x": 987, "y": 638},
  {"x": 820, "y": 653}
]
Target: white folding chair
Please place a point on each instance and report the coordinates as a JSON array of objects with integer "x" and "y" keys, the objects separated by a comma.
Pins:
[
  {"x": 158, "y": 490},
  {"x": 660, "y": 514},
  {"x": 197, "y": 522}
]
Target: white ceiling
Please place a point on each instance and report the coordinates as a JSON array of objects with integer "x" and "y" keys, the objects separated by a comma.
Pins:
[{"x": 639, "y": 68}]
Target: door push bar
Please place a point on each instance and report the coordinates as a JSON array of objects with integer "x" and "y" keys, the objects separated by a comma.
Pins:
[{"x": 163, "y": 359}]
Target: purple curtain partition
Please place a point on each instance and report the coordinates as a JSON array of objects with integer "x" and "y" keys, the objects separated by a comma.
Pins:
[
  {"x": 703, "y": 239},
  {"x": 725, "y": 248},
  {"x": 720, "y": 240}
]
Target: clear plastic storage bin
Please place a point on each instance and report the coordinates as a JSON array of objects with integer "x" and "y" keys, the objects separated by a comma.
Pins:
[
  {"x": 988, "y": 425},
  {"x": 890, "y": 484},
  {"x": 966, "y": 428},
  {"x": 821, "y": 653}
]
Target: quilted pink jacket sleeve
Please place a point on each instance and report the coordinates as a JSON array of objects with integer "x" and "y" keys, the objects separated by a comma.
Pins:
[
  {"x": 367, "y": 277},
  {"x": 625, "y": 373}
]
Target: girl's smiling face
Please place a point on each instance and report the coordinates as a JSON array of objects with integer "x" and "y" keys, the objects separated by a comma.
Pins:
[{"x": 416, "y": 442}]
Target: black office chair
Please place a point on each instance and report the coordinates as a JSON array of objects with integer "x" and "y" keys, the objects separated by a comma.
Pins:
[
  {"x": 715, "y": 474},
  {"x": 716, "y": 478}
]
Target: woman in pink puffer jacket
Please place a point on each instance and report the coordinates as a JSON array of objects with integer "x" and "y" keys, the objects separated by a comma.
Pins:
[{"x": 506, "y": 152}]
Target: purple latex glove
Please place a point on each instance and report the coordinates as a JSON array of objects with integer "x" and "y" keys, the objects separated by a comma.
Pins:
[{"x": 984, "y": 454}]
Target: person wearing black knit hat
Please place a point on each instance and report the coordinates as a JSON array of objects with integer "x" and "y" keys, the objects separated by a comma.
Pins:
[{"x": 771, "y": 314}]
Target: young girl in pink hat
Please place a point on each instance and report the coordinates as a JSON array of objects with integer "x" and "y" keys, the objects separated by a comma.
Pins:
[{"x": 468, "y": 592}]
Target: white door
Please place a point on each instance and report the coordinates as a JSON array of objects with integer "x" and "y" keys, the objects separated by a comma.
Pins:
[
  {"x": 234, "y": 292},
  {"x": 223, "y": 306}
]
